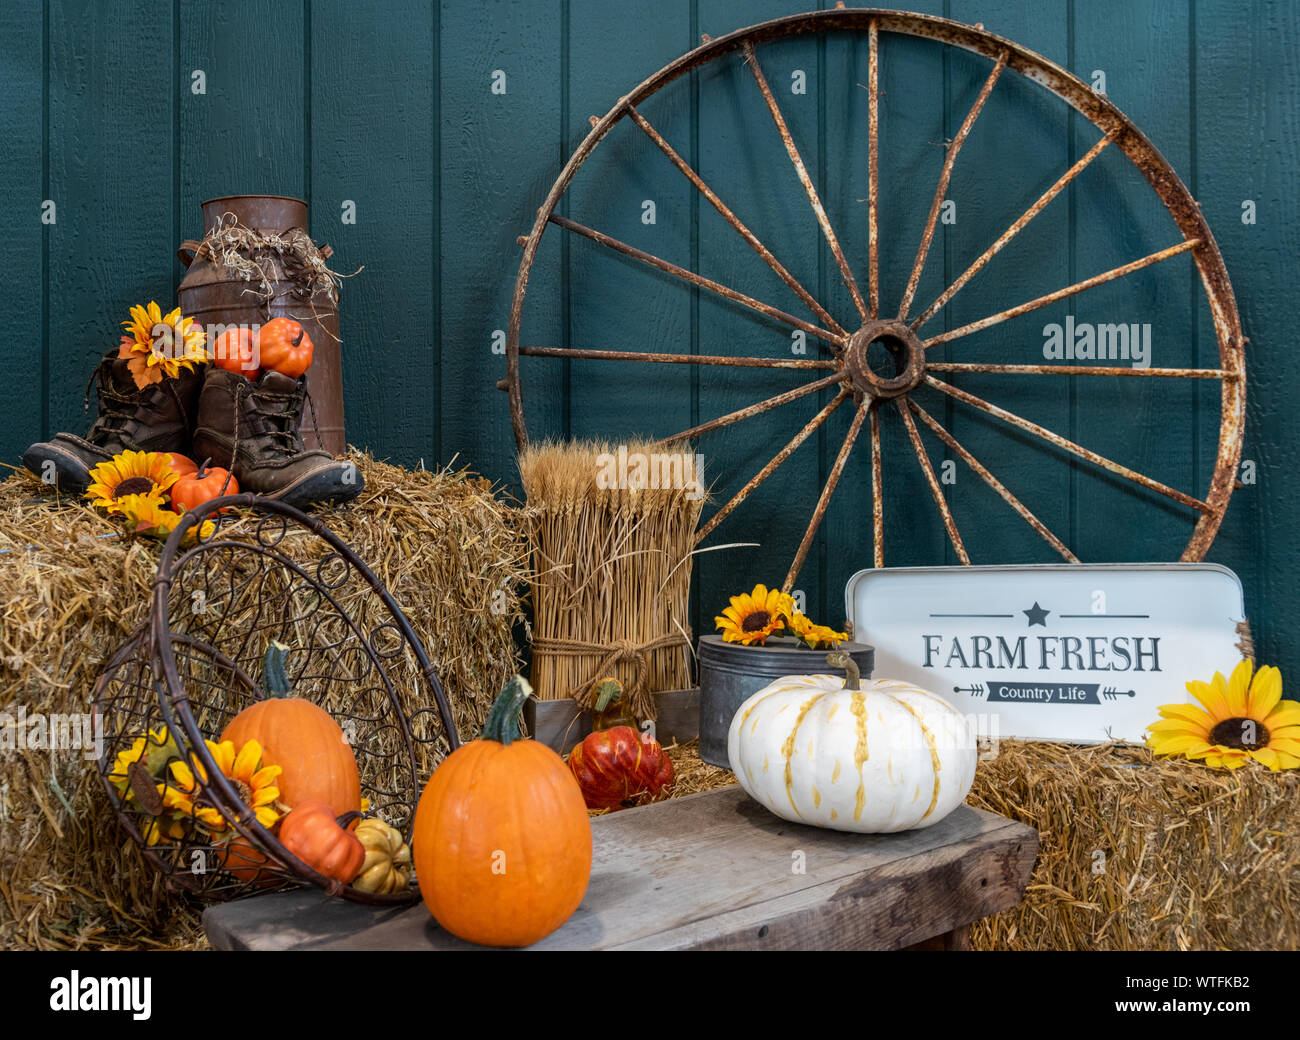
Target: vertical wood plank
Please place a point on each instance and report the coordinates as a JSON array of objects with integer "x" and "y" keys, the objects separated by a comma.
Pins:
[
  {"x": 21, "y": 231},
  {"x": 742, "y": 158},
  {"x": 911, "y": 132},
  {"x": 1017, "y": 149},
  {"x": 1247, "y": 98},
  {"x": 630, "y": 190},
  {"x": 110, "y": 155},
  {"x": 1147, "y": 424},
  {"x": 373, "y": 121},
  {"x": 500, "y": 153},
  {"x": 247, "y": 134}
]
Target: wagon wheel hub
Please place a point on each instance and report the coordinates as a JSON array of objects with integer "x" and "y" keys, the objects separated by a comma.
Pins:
[{"x": 883, "y": 359}]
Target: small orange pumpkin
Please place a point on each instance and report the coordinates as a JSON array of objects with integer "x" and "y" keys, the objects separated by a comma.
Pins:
[
  {"x": 313, "y": 834},
  {"x": 502, "y": 841},
  {"x": 285, "y": 346},
  {"x": 203, "y": 485},
  {"x": 236, "y": 350},
  {"x": 316, "y": 763},
  {"x": 180, "y": 463}
]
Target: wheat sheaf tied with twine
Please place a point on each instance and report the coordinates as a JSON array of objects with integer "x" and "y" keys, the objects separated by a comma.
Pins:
[
  {"x": 264, "y": 259},
  {"x": 636, "y": 692}
]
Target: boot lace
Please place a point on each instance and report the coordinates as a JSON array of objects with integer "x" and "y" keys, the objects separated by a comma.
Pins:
[{"x": 278, "y": 412}]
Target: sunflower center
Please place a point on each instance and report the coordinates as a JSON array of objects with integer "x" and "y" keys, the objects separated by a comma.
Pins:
[
  {"x": 755, "y": 621},
  {"x": 133, "y": 486},
  {"x": 1243, "y": 733},
  {"x": 245, "y": 792}
]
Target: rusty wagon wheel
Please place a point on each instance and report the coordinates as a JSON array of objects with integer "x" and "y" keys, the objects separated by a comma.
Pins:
[{"x": 846, "y": 370}]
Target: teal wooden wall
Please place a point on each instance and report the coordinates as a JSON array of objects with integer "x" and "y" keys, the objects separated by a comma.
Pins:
[{"x": 388, "y": 104}]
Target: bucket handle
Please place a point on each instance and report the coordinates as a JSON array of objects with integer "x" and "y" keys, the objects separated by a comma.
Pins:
[{"x": 188, "y": 250}]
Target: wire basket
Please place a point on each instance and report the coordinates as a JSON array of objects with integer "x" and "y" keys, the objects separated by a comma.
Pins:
[{"x": 238, "y": 573}]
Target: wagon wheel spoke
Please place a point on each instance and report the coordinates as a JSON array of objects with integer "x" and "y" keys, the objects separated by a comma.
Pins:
[
  {"x": 1068, "y": 445},
  {"x": 751, "y": 59},
  {"x": 695, "y": 279},
  {"x": 832, "y": 481},
  {"x": 873, "y": 173},
  {"x": 1021, "y": 222},
  {"x": 770, "y": 468},
  {"x": 750, "y": 411},
  {"x": 936, "y": 491},
  {"x": 1081, "y": 370},
  {"x": 942, "y": 188},
  {"x": 1060, "y": 294},
  {"x": 735, "y": 222},
  {"x": 877, "y": 494},
  {"x": 1003, "y": 492},
  {"x": 586, "y": 354}
]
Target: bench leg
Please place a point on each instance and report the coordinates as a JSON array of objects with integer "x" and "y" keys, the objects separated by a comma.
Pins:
[{"x": 957, "y": 939}]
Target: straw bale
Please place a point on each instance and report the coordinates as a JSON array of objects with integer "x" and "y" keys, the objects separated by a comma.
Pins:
[{"x": 452, "y": 554}]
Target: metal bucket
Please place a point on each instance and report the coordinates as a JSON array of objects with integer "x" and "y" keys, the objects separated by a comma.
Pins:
[
  {"x": 210, "y": 296},
  {"x": 730, "y": 674}
]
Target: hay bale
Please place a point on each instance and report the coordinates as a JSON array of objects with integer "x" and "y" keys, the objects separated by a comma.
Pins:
[
  {"x": 452, "y": 555},
  {"x": 1143, "y": 853}
]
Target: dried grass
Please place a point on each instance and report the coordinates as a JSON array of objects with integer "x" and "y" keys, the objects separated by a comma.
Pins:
[
  {"x": 453, "y": 556},
  {"x": 612, "y": 569}
]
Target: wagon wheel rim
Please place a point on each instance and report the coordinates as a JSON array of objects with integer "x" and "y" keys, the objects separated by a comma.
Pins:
[{"x": 858, "y": 383}]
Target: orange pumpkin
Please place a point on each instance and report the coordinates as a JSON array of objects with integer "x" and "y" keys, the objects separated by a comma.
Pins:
[
  {"x": 316, "y": 763},
  {"x": 180, "y": 464},
  {"x": 312, "y": 833},
  {"x": 285, "y": 347},
  {"x": 203, "y": 485},
  {"x": 239, "y": 858},
  {"x": 502, "y": 841},
  {"x": 236, "y": 350}
]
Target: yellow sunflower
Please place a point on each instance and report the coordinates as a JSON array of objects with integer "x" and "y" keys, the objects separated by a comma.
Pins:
[
  {"x": 161, "y": 345},
  {"x": 818, "y": 637},
  {"x": 1241, "y": 719},
  {"x": 255, "y": 783},
  {"x": 146, "y": 515},
  {"x": 146, "y": 473},
  {"x": 146, "y": 750},
  {"x": 752, "y": 618}
]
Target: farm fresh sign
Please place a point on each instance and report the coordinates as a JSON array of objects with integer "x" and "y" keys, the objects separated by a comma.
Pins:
[{"x": 1076, "y": 653}]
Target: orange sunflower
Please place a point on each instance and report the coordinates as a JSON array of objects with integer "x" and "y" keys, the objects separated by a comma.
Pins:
[
  {"x": 1238, "y": 720},
  {"x": 752, "y": 618},
  {"x": 161, "y": 345}
]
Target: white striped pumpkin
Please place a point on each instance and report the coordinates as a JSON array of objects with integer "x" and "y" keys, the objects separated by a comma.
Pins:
[{"x": 889, "y": 756}]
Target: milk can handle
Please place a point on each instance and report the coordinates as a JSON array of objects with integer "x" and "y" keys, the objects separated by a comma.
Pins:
[{"x": 188, "y": 251}]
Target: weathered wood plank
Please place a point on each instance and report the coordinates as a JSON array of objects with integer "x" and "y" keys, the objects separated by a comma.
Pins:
[{"x": 712, "y": 871}]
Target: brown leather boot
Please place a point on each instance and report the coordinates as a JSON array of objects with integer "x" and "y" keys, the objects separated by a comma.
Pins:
[
  {"x": 253, "y": 429},
  {"x": 157, "y": 418}
]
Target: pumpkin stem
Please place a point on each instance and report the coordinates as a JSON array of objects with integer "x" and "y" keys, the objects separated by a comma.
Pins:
[
  {"x": 298, "y": 338},
  {"x": 852, "y": 676},
  {"x": 608, "y": 691},
  {"x": 203, "y": 469},
  {"x": 345, "y": 821},
  {"x": 275, "y": 679},
  {"x": 502, "y": 723}
]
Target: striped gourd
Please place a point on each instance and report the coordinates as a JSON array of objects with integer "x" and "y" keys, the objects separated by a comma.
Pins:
[{"x": 869, "y": 757}]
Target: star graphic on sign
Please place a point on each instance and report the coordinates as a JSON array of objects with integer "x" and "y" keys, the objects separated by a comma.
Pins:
[{"x": 1037, "y": 615}]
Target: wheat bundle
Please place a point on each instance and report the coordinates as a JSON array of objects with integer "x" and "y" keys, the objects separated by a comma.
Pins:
[{"x": 612, "y": 530}]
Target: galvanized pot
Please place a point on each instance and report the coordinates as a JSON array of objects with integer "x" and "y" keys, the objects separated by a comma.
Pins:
[
  {"x": 730, "y": 674},
  {"x": 213, "y": 295}
]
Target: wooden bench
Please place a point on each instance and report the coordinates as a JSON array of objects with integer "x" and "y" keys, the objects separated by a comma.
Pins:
[{"x": 711, "y": 871}]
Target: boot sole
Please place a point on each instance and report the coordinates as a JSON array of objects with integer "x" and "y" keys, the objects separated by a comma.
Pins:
[
  {"x": 317, "y": 488},
  {"x": 72, "y": 476}
]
